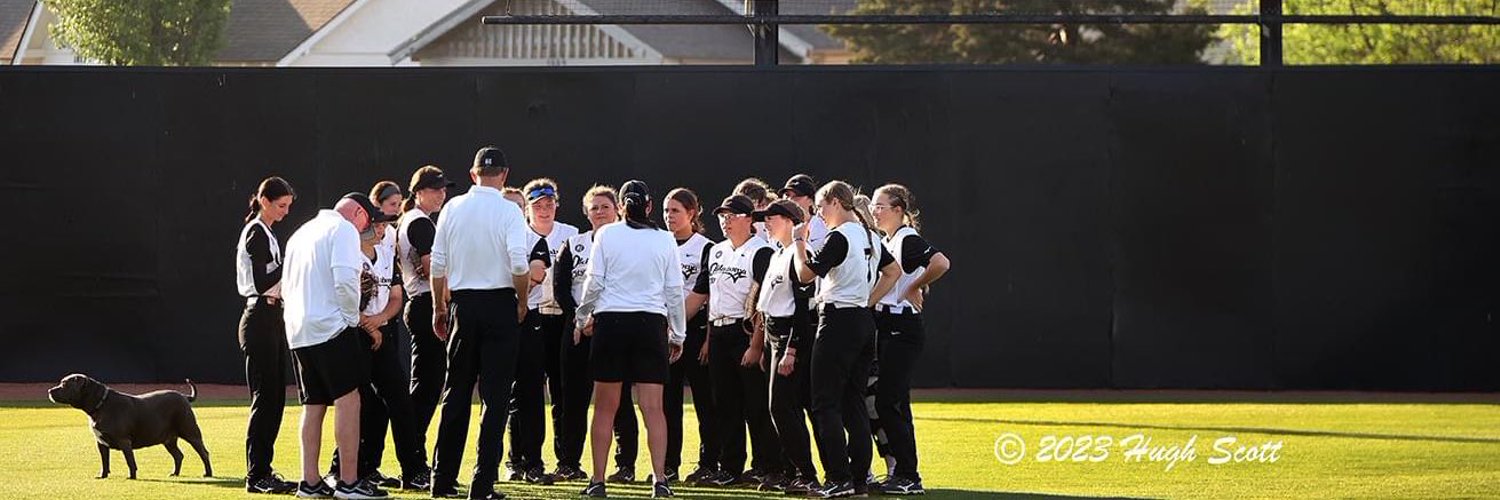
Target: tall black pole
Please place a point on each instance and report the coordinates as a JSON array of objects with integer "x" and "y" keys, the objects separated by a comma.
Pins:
[
  {"x": 1270, "y": 33},
  {"x": 767, "y": 36}
]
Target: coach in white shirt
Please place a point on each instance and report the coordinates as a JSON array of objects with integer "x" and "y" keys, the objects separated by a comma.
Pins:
[
  {"x": 479, "y": 259},
  {"x": 320, "y": 290}
]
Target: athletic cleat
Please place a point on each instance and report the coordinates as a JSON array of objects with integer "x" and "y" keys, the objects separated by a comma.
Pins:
[
  {"x": 538, "y": 475},
  {"x": 516, "y": 476},
  {"x": 700, "y": 474},
  {"x": 492, "y": 495},
  {"x": 382, "y": 480},
  {"x": 842, "y": 489},
  {"x": 622, "y": 475},
  {"x": 271, "y": 483},
  {"x": 754, "y": 476},
  {"x": 672, "y": 476},
  {"x": 320, "y": 490},
  {"x": 660, "y": 490},
  {"x": 420, "y": 481},
  {"x": 801, "y": 486},
  {"x": 720, "y": 479},
  {"x": 595, "y": 490},
  {"x": 360, "y": 490},
  {"x": 898, "y": 485},
  {"x": 773, "y": 482},
  {"x": 569, "y": 473}
]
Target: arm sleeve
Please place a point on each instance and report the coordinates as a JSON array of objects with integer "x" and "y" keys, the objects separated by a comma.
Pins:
[
  {"x": 347, "y": 263},
  {"x": 593, "y": 283},
  {"x": 832, "y": 254},
  {"x": 801, "y": 295},
  {"x": 438, "y": 266},
  {"x": 760, "y": 264},
  {"x": 916, "y": 253},
  {"x": 420, "y": 235},
  {"x": 676, "y": 308},
  {"x": 263, "y": 267},
  {"x": 540, "y": 252},
  {"x": 513, "y": 227},
  {"x": 700, "y": 286},
  {"x": 562, "y": 280},
  {"x": 885, "y": 258}
]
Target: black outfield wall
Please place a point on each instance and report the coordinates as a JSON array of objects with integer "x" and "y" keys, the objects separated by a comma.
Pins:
[{"x": 1109, "y": 228}]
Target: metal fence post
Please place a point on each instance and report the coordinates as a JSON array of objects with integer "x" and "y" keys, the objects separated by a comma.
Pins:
[
  {"x": 767, "y": 36},
  {"x": 1270, "y": 33}
]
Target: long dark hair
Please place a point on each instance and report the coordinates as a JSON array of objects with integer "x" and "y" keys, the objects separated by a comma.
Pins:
[
  {"x": 689, "y": 201},
  {"x": 637, "y": 197},
  {"x": 273, "y": 188}
]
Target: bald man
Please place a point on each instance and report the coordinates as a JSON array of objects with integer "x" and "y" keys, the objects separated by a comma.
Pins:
[{"x": 321, "y": 293}]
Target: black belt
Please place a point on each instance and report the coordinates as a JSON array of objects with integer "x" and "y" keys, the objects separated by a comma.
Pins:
[
  {"x": 838, "y": 307},
  {"x": 899, "y": 311},
  {"x": 266, "y": 299}
]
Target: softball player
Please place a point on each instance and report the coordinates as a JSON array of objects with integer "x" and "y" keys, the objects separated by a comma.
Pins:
[
  {"x": 900, "y": 335},
  {"x": 852, "y": 272},
  {"x": 262, "y": 332},
  {"x": 760, "y": 195},
  {"x": 426, "y": 193},
  {"x": 784, "y": 302},
  {"x": 683, "y": 216}
]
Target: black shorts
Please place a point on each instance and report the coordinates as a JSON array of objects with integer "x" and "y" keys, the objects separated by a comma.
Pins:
[
  {"x": 329, "y": 370},
  {"x": 629, "y": 347}
]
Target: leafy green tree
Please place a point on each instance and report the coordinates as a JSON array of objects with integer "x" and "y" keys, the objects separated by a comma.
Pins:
[
  {"x": 1005, "y": 44},
  {"x": 141, "y": 32},
  {"x": 1373, "y": 43}
]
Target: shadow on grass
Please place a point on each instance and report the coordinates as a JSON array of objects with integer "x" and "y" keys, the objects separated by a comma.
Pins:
[
  {"x": 185, "y": 479},
  {"x": 570, "y": 491},
  {"x": 1245, "y": 430}
]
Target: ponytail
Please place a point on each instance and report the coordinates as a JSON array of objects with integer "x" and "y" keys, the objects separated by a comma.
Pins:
[
  {"x": 635, "y": 212},
  {"x": 272, "y": 189},
  {"x": 409, "y": 203},
  {"x": 900, "y": 196},
  {"x": 840, "y": 192}
]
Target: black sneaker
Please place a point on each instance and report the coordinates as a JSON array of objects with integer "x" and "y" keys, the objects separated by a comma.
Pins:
[
  {"x": 382, "y": 480},
  {"x": 360, "y": 490},
  {"x": 671, "y": 475},
  {"x": 660, "y": 490},
  {"x": 568, "y": 473},
  {"x": 516, "y": 475},
  {"x": 841, "y": 489},
  {"x": 270, "y": 483},
  {"x": 492, "y": 495},
  {"x": 754, "y": 476},
  {"x": 421, "y": 480},
  {"x": 699, "y": 475},
  {"x": 320, "y": 490},
  {"x": 720, "y": 478},
  {"x": 538, "y": 475},
  {"x": 595, "y": 490},
  {"x": 802, "y": 486},
  {"x": 898, "y": 485},
  {"x": 450, "y": 491},
  {"x": 622, "y": 475},
  {"x": 772, "y": 482}
]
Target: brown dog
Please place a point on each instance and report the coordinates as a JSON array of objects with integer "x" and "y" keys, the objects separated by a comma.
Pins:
[{"x": 125, "y": 422}]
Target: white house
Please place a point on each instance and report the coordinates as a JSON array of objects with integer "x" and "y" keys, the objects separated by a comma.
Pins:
[{"x": 448, "y": 33}]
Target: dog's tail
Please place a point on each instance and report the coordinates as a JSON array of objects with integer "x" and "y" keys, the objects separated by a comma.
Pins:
[{"x": 192, "y": 396}]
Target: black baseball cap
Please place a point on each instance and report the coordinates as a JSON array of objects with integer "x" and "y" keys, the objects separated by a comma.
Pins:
[
  {"x": 490, "y": 157},
  {"x": 801, "y": 184},
  {"x": 636, "y": 187},
  {"x": 428, "y": 178},
  {"x": 737, "y": 204},
  {"x": 784, "y": 208},
  {"x": 364, "y": 202}
]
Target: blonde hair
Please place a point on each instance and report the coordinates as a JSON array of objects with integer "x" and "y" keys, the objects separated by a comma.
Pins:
[
  {"x": 519, "y": 203},
  {"x": 845, "y": 196},
  {"x": 900, "y": 196}
]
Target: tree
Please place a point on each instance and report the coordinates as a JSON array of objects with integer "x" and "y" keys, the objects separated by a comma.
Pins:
[
  {"x": 141, "y": 32},
  {"x": 1374, "y": 43},
  {"x": 1002, "y": 44}
]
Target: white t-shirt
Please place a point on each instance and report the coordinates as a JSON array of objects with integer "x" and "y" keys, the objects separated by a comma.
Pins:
[
  {"x": 635, "y": 270},
  {"x": 320, "y": 283}
]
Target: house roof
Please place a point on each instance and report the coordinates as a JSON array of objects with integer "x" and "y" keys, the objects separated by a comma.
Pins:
[
  {"x": 266, "y": 30},
  {"x": 14, "y": 15},
  {"x": 692, "y": 42}
]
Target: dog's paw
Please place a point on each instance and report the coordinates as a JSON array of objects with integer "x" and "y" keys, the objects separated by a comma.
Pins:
[
  {"x": 175, "y": 474},
  {"x": 102, "y": 476}
]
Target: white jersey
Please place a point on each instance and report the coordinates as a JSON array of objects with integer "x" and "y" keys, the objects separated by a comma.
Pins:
[
  {"x": 691, "y": 251},
  {"x": 893, "y": 245},
  {"x": 383, "y": 273},
  {"x": 849, "y": 283},
  {"x": 411, "y": 280},
  {"x": 817, "y": 231},
  {"x": 540, "y": 297},
  {"x": 579, "y": 247},
  {"x": 777, "y": 291},
  {"x": 244, "y": 275},
  {"x": 730, "y": 277}
]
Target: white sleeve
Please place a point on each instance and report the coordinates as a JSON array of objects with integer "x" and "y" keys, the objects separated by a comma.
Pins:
[
  {"x": 593, "y": 283},
  {"x": 346, "y": 262},
  {"x": 438, "y": 266},
  {"x": 513, "y": 229},
  {"x": 676, "y": 308}
]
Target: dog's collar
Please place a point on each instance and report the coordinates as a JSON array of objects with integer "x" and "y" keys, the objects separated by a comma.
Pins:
[{"x": 100, "y": 404}]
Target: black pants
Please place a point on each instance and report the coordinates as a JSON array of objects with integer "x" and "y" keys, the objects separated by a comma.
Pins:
[
  {"x": 742, "y": 398},
  {"x": 263, "y": 340},
  {"x": 900, "y": 341},
  {"x": 482, "y": 348},
  {"x": 688, "y": 372},
  {"x": 840, "y": 369},
  {"x": 385, "y": 401},
  {"x": 791, "y": 395},
  {"x": 528, "y": 427},
  {"x": 429, "y": 362}
]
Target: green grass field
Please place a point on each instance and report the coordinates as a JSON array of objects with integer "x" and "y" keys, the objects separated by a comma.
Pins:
[{"x": 1327, "y": 450}]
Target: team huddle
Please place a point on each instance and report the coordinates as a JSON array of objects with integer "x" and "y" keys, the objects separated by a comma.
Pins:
[{"x": 808, "y": 312}]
